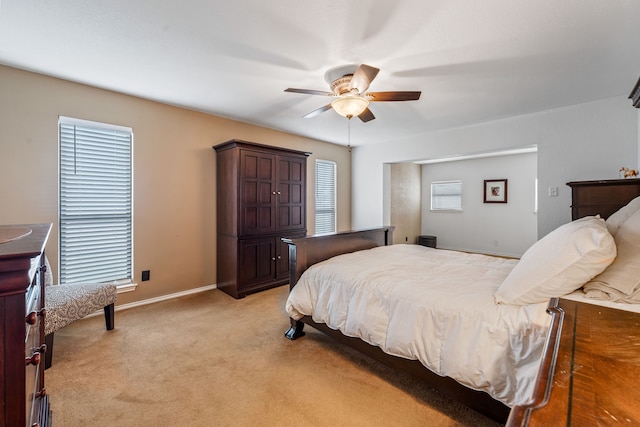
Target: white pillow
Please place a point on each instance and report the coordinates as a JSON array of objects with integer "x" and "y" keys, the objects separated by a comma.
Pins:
[
  {"x": 559, "y": 263},
  {"x": 615, "y": 221},
  {"x": 621, "y": 280}
]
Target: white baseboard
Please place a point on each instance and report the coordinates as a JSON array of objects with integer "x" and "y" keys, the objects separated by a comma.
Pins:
[{"x": 157, "y": 299}]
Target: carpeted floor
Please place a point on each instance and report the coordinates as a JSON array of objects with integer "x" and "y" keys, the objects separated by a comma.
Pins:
[{"x": 208, "y": 359}]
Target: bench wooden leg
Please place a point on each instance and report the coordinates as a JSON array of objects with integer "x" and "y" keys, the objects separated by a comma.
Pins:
[
  {"x": 48, "y": 355},
  {"x": 109, "y": 316}
]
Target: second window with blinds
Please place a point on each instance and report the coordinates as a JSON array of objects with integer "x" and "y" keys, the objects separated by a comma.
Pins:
[
  {"x": 446, "y": 195},
  {"x": 325, "y": 197},
  {"x": 96, "y": 227}
]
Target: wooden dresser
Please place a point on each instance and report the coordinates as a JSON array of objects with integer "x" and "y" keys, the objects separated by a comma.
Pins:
[
  {"x": 22, "y": 394},
  {"x": 260, "y": 198},
  {"x": 601, "y": 197},
  {"x": 590, "y": 370}
]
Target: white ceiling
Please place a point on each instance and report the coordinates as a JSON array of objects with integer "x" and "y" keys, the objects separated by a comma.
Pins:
[{"x": 474, "y": 61}]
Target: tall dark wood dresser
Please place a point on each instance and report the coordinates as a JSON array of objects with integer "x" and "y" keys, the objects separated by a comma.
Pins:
[
  {"x": 22, "y": 394},
  {"x": 260, "y": 198},
  {"x": 601, "y": 197}
]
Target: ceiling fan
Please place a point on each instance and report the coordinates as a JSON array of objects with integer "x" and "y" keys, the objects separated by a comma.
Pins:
[{"x": 349, "y": 90}]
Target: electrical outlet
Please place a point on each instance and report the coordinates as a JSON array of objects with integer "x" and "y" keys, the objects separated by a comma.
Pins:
[
  {"x": 146, "y": 275},
  {"x": 553, "y": 191}
]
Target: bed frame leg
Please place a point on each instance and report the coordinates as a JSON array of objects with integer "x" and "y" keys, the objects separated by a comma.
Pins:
[{"x": 295, "y": 331}]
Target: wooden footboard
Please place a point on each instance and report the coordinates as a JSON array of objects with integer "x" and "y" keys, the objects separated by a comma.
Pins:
[
  {"x": 306, "y": 251},
  {"x": 309, "y": 250}
]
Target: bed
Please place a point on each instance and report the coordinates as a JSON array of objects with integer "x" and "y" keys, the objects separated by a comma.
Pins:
[{"x": 475, "y": 333}]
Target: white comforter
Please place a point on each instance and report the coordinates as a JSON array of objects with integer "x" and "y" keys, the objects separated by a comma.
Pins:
[{"x": 432, "y": 305}]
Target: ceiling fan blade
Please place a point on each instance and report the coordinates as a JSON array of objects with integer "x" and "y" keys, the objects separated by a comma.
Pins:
[
  {"x": 317, "y": 111},
  {"x": 366, "y": 115},
  {"x": 394, "y": 96},
  {"x": 309, "y": 92},
  {"x": 363, "y": 77}
]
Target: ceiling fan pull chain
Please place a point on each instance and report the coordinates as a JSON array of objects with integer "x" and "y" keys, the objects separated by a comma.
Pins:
[{"x": 349, "y": 133}]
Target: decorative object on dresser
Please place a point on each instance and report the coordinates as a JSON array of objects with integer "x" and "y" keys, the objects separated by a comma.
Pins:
[
  {"x": 261, "y": 198},
  {"x": 71, "y": 302},
  {"x": 23, "y": 398},
  {"x": 601, "y": 197},
  {"x": 625, "y": 172}
]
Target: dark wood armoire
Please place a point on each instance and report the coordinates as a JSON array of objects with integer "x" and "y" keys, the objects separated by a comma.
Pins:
[{"x": 261, "y": 198}]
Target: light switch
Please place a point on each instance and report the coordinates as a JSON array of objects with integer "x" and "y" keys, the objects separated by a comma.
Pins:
[{"x": 553, "y": 191}]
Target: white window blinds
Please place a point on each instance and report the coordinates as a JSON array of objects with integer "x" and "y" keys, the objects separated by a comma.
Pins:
[
  {"x": 446, "y": 195},
  {"x": 325, "y": 197},
  {"x": 95, "y": 202}
]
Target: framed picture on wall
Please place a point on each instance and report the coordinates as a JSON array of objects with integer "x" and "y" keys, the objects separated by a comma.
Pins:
[{"x": 495, "y": 191}]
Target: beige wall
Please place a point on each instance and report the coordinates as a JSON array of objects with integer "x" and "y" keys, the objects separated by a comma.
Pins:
[
  {"x": 405, "y": 201},
  {"x": 174, "y": 172}
]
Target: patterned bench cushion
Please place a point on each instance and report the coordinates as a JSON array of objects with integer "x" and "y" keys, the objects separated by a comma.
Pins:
[{"x": 67, "y": 303}]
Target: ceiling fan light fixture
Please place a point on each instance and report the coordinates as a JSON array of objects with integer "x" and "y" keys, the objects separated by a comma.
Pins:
[
  {"x": 350, "y": 105},
  {"x": 349, "y": 86}
]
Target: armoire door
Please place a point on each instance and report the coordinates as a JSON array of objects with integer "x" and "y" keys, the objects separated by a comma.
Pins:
[
  {"x": 257, "y": 192},
  {"x": 291, "y": 172},
  {"x": 257, "y": 261}
]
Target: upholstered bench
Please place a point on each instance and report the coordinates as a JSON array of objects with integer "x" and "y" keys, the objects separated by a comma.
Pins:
[{"x": 67, "y": 303}]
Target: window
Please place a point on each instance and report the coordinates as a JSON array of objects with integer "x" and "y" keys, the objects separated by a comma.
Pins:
[
  {"x": 446, "y": 196},
  {"x": 96, "y": 229},
  {"x": 325, "y": 197}
]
